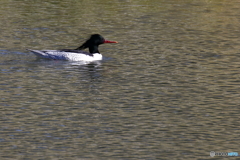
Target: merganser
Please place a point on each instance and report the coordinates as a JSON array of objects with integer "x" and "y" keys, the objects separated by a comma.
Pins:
[{"x": 76, "y": 54}]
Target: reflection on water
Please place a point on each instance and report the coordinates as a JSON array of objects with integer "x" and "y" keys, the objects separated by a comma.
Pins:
[{"x": 170, "y": 89}]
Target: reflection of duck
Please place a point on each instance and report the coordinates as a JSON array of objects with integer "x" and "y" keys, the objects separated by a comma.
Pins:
[{"x": 76, "y": 54}]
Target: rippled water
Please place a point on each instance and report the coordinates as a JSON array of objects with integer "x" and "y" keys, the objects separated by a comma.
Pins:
[{"x": 168, "y": 90}]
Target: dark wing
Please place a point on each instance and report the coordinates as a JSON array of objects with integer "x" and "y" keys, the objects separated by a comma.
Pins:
[{"x": 75, "y": 51}]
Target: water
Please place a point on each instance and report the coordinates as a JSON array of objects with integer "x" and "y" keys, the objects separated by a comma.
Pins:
[{"x": 168, "y": 90}]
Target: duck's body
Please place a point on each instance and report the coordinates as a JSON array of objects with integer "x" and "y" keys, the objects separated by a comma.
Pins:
[
  {"x": 76, "y": 54},
  {"x": 67, "y": 55}
]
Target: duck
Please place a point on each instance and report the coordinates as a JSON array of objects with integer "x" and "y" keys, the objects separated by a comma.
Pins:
[{"x": 76, "y": 54}]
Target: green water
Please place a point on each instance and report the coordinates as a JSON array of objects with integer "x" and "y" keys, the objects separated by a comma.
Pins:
[{"x": 168, "y": 90}]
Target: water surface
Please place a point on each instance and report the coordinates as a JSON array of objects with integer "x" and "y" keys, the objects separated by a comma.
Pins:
[{"x": 168, "y": 90}]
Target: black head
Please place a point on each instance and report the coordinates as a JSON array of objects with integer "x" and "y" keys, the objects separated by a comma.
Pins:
[
  {"x": 93, "y": 42},
  {"x": 96, "y": 39}
]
